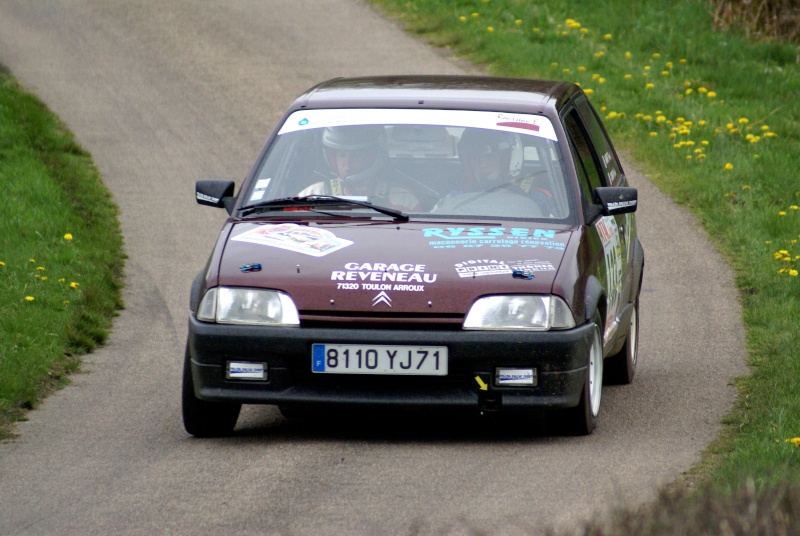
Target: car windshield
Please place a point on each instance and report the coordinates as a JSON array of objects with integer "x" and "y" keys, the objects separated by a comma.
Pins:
[{"x": 424, "y": 163}]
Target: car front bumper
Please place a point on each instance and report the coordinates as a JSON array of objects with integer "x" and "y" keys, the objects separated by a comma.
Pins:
[{"x": 559, "y": 359}]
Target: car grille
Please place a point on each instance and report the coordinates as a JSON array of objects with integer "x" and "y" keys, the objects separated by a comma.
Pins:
[{"x": 423, "y": 322}]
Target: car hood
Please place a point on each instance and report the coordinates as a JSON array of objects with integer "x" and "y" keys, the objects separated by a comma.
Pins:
[{"x": 369, "y": 267}]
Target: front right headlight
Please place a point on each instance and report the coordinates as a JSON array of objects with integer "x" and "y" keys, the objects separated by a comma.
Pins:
[
  {"x": 234, "y": 305},
  {"x": 537, "y": 313}
]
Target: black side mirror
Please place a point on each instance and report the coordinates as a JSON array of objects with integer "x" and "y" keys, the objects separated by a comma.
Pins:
[
  {"x": 616, "y": 199},
  {"x": 215, "y": 193}
]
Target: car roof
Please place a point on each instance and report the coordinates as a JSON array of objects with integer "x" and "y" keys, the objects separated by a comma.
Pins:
[{"x": 440, "y": 92}]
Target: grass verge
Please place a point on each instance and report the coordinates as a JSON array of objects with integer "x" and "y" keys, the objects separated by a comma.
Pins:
[
  {"x": 713, "y": 118},
  {"x": 61, "y": 259}
]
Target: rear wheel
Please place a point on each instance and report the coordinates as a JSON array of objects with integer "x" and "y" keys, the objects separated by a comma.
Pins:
[
  {"x": 582, "y": 419},
  {"x": 202, "y": 418},
  {"x": 621, "y": 367}
]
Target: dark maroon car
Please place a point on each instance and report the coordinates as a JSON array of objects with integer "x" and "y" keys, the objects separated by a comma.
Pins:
[{"x": 420, "y": 242}]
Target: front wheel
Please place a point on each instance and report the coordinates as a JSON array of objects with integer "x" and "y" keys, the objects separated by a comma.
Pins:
[
  {"x": 200, "y": 417},
  {"x": 621, "y": 367},
  {"x": 582, "y": 419}
]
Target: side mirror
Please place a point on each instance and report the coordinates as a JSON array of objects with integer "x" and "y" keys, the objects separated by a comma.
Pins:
[
  {"x": 215, "y": 193},
  {"x": 616, "y": 199}
]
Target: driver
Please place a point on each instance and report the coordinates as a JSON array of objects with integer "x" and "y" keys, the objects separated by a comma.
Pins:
[
  {"x": 492, "y": 160},
  {"x": 357, "y": 158}
]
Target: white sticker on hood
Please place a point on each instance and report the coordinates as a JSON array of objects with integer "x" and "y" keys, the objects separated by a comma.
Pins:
[{"x": 293, "y": 237}]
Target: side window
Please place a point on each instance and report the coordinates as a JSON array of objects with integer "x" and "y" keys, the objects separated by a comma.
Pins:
[
  {"x": 605, "y": 151},
  {"x": 588, "y": 171}
]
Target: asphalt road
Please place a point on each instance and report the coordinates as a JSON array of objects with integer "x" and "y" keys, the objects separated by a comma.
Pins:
[{"x": 164, "y": 93}]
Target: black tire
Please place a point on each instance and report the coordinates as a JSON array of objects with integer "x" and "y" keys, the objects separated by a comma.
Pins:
[
  {"x": 202, "y": 418},
  {"x": 621, "y": 367},
  {"x": 582, "y": 419}
]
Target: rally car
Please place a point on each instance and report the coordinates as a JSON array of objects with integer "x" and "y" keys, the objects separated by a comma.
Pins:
[{"x": 452, "y": 242}]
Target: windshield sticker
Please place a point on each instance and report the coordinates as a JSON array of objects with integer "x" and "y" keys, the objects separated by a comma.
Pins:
[
  {"x": 492, "y": 237},
  {"x": 481, "y": 267},
  {"x": 382, "y": 276},
  {"x": 293, "y": 237},
  {"x": 531, "y": 125}
]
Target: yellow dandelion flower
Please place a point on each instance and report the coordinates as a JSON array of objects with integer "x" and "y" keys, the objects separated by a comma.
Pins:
[
  {"x": 682, "y": 61},
  {"x": 2, "y": 263},
  {"x": 653, "y": 134},
  {"x": 646, "y": 67},
  {"x": 627, "y": 55},
  {"x": 756, "y": 156},
  {"x": 476, "y": 15},
  {"x": 711, "y": 94},
  {"x": 581, "y": 69},
  {"x": 607, "y": 37},
  {"x": 745, "y": 187},
  {"x": 628, "y": 77},
  {"x": 689, "y": 91},
  {"x": 68, "y": 237},
  {"x": 701, "y": 123},
  {"x": 599, "y": 54},
  {"x": 584, "y": 31},
  {"x": 793, "y": 273},
  {"x": 701, "y": 156},
  {"x": 61, "y": 280},
  {"x": 565, "y": 71},
  {"x": 668, "y": 65},
  {"x": 688, "y": 157},
  {"x": 649, "y": 86},
  {"x": 490, "y": 29},
  {"x": 770, "y": 134},
  {"x": 601, "y": 80},
  {"x": 31, "y": 261},
  {"x": 518, "y": 22},
  {"x": 554, "y": 64},
  {"x": 588, "y": 91},
  {"x": 728, "y": 166},
  {"x": 535, "y": 30},
  {"x": 74, "y": 285},
  {"x": 40, "y": 268},
  {"x": 702, "y": 90},
  {"x": 764, "y": 128},
  {"x": 656, "y": 55},
  {"x": 794, "y": 207},
  {"x": 782, "y": 213},
  {"x": 29, "y": 298},
  {"x": 44, "y": 278}
]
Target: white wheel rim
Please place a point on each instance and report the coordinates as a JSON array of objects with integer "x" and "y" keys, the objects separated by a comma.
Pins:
[{"x": 596, "y": 373}]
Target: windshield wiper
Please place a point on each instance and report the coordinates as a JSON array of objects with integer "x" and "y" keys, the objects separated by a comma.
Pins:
[{"x": 314, "y": 200}]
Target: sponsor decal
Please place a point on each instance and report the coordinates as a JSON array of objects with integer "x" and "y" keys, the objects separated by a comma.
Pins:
[
  {"x": 401, "y": 277},
  {"x": 492, "y": 237},
  {"x": 483, "y": 267},
  {"x": 516, "y": 377},
  {"x": 204, "y": 197},
  {"x": 622, "y": 204},
  {"x": 293, "y": 237},
  {"x": 612, "y": 267}
]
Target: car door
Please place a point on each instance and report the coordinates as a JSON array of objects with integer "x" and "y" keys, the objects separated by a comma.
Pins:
[{"x": 597, "y": 166}]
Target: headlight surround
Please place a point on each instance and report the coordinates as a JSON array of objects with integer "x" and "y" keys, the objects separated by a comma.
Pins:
[
  {"x": 234, "y": 305},
  {"x": 528, "y": 312}
]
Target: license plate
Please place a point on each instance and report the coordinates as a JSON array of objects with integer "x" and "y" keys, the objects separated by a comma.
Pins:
[{"x": 379, "y": 359}]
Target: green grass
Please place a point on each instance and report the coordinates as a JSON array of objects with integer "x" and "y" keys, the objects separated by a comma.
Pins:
[
  {"x": 713, "y": 119},
  {"x": 61, "y": 260}
]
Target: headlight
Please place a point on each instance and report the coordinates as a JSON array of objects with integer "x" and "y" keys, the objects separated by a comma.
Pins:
[
  {"x": 539, "y": 313},
  {"x": 228, "y": 305}
]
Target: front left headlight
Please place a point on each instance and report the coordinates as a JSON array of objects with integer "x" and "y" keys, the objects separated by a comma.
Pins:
[
  {"x": 537, "y": 313},
  {"x": 233, "y": 305}
]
